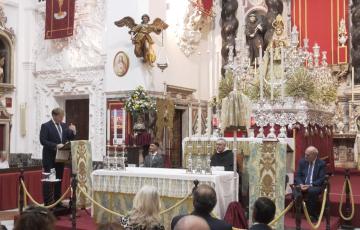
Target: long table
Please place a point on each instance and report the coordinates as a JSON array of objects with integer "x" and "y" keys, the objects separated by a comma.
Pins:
[{"x": 116, "y": 189}]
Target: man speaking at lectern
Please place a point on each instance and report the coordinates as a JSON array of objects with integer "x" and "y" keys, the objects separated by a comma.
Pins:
[{"x": 53, "y": 135}]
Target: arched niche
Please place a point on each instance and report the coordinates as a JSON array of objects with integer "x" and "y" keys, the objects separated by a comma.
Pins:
[
  {"x": 7, "y": 39},
  {"x": 6, "y": 52}
]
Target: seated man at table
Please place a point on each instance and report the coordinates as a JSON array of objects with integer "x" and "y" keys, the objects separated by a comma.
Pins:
[
  {"x": 154, "y": 159},
  {"x": 223, "y": 156},
  {"x": 310, "y": 177},
  {"x": 204, "y": 201}
]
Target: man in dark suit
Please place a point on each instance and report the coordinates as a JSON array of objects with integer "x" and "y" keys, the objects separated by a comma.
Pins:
[
  {"x": 204, "y": 201},
  {"x": 223, "y": 156},
  {"x": 53, "y": 135},
  {"x": 263, "y": 213},
  {"x": 310, "y": 177},
  {"x": 154, "y": 159}
]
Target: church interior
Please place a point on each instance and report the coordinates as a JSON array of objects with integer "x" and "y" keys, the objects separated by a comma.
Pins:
[{"x": 162, "y": 114}]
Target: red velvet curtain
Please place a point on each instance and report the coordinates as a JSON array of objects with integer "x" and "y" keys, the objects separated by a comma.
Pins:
[{"x": 303, "y": 139}]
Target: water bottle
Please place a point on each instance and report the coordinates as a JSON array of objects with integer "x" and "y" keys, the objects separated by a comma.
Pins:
[{"x": 52, "y": 174}]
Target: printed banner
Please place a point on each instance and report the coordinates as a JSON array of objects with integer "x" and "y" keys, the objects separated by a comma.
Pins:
[{"x": 59, "y": 21}]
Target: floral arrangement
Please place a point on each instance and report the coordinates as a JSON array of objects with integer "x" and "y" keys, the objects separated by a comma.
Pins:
[{"x": 139, "y": 102}]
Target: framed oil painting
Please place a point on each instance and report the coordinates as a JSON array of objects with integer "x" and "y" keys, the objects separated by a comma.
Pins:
[{"x": 121, "y": 63}]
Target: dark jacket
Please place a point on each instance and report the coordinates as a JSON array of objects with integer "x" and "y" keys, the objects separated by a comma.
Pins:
[
  {"x": 214, "y": 224},
  {"x": 49, "y": 138},
  {"x": 260, "y": 227},
  {"x": 318, "y": 174},
  {"x": 225, "y": 159},
  {"x": 156, "y": 162}
]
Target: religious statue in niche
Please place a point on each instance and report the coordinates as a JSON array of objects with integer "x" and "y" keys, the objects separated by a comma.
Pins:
[
  {"x": 254, "y": 36},
  {"x": 2, "y": 62},
  {"x": 140, "y": 35}
]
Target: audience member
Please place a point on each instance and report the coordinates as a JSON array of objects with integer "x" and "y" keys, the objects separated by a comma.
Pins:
[
  {"x": 154, "y": 159},
  {"x": 35, "y": 218},
  {"x": 144, "y": 214},
  {"x": 263, "y": 213},
  {"x": 223, "y": 156},
  {"x": 191, "y": 222},
  {"x": 204, "y": 201}
]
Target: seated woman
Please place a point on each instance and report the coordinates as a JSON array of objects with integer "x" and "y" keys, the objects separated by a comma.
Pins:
[{"x": 144, "y": 214}]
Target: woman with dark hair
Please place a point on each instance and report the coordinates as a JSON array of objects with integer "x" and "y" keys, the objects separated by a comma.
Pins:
[{"x": 35, "y": 218}]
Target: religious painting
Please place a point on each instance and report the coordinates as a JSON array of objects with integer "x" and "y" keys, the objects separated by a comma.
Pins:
[
  {"x": 115, "y": 122},
  {"x": 121, "y": 63}
]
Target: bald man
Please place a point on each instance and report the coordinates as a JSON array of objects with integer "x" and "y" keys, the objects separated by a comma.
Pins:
[
  {"x": 310, "y": 177},
  {"x": 223, "y": 156},
  {"x": 204, "y": 201},
  {"x": 191, "y": 222}
]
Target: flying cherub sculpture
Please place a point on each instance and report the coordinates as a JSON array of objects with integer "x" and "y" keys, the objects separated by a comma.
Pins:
[
  {"x": 140, "y": 35},
  {"x": 2, "y": 62}
]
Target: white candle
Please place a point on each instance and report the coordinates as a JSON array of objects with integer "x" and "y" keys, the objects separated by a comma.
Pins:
[
  {"x": 123, "y": 123},
  {"x": 199, "y": 120},
  {"x": 190, "y": 120},
  {"x": 261, "y": 78},
  {"x": 282, "y": 74},
  {"x": 272, "y": 73},
  {"x": 352, "y": 83},
  {"x": 108, "y": 126},
  {"x": 115, "y": 126},
  {"x": 255, "y": 66},
  {"x": 209, "y": 117},
  {"x": 260, "y": 54}
]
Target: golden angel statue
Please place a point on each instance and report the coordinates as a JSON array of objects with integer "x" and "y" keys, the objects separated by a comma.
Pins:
[
  {"x": 2, "y": 62},
  {"x": 140, "y": 35}
]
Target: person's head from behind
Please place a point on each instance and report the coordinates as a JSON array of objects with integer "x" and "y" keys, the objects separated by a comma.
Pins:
[
  {"x": 191, "y": 222},
  {"x": 311, "y": 153},
  {"x": 58, "y": 115},
  {"x": 204, "y": 199},
  {"x": 264, "y": 210},
  {"x": 220, "y": 145},
  {"x": 146, "y": 207},
  {"x": 35, "y": 218},
  {"x": 154, "y": 147}
]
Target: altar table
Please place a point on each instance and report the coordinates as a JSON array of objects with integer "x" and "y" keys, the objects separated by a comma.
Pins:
[{"x": 116, "y": 189}]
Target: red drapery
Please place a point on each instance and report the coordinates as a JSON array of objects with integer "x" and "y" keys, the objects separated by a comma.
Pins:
[
  {"x": 59, "y": 22},
  {"x": 323, "y": 143},
  {"x": 319, "y": 21},
  {"x": 9, "y": 187}
]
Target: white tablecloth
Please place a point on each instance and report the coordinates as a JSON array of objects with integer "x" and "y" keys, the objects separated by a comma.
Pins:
[{"x": 169, "y": 182}]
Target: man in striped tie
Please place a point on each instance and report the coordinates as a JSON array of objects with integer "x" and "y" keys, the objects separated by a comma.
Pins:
[
  {"x": 310, "y": 177},
  {"x": 53, "y": 135}
]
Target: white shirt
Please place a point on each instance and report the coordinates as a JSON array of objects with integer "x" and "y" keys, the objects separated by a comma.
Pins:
[
  {"x": 312, "y": 170},
  {"x": 4, "y": 164},
  {"x": 59, "y": 129}
]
